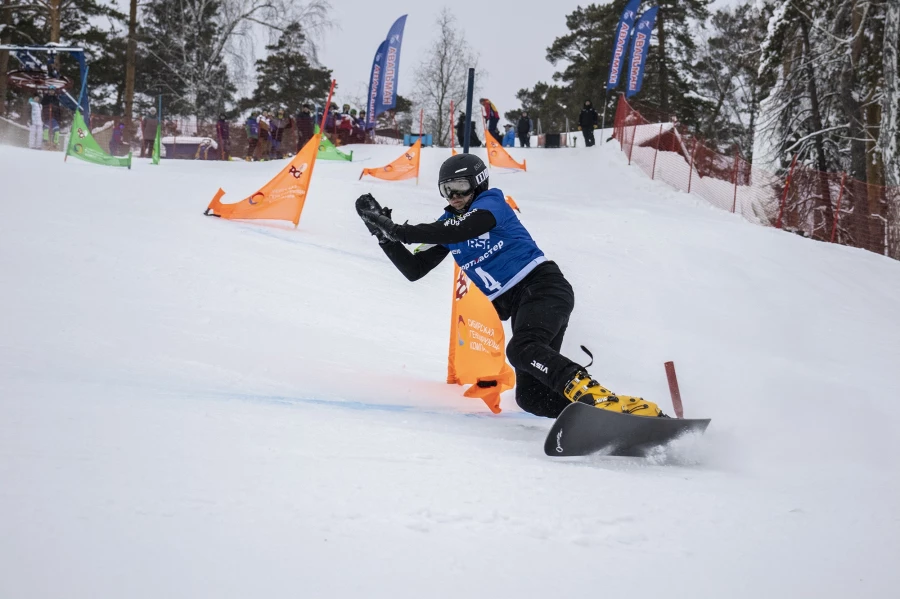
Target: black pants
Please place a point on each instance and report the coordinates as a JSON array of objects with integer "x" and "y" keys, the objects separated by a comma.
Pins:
[
  {"x": 539, "y": 307},
  {"x": 588, "y": 136},
  {"x": 525, "y": 140}
]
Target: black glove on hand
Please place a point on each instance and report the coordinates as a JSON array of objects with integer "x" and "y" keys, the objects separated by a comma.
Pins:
[{"x": 377, "y": 219}]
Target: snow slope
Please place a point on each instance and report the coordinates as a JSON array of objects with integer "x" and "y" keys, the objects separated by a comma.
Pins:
[{"x": 191, "y": 407}]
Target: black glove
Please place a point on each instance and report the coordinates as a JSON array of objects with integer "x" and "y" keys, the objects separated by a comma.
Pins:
[{"x": 377, "y": 219}]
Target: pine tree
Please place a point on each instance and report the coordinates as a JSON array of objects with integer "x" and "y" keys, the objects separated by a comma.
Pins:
[
  {"x": 182, "y": 57},
  {"x": 669, "y": 82},
  {"x": 729, "y": 77},
  {"x": 286, "y": 78},
  {"x": 669, "y": 85}
]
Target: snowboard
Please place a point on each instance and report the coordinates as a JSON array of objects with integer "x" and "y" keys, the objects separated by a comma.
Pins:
[{"x": 582, "y": 429}]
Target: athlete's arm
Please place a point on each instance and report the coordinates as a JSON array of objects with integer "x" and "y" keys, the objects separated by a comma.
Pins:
[
  {"x": 414, "y": 266},
  {"x": 471, "y": 225}
]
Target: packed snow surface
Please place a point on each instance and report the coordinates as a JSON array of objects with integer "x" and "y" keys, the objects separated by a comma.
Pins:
[{"x": 193, "y": 407}]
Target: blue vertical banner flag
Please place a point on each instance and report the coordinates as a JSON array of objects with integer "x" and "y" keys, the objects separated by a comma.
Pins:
[
  {"x": 620, "y": 47},
  {"x": 639, "y": 49},
  {"x": 375, "y": 85},
  {"x": 387, "y": 96}
]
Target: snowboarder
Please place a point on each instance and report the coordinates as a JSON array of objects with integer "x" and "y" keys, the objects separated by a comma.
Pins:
[
  {"x": 503, "y": 261},
  {"x": 523, "y": 128},
  {"x": 587, "y": 122},
  {"x": 36, "y": 128}
]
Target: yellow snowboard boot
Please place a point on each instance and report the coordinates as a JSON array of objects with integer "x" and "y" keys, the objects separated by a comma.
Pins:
[{"x": 582, "y": 388}]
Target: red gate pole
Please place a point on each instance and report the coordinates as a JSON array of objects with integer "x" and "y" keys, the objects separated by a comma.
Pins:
[
  {"x": 673, "y": 389},
  {"x": 691, "y": 174},
  {"x": 837, "y": 213},
  {"x": 658, "y": 141},
  {"x": 631, "y": 149},
  {"x": 734, "y": 177},
  {"x": 787, "y": 186}
]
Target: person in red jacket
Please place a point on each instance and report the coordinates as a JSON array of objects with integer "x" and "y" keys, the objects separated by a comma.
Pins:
[{"x": 493, "y": 117}]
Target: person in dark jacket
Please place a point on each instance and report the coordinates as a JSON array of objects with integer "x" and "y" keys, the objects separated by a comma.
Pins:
[
  {"x": 305, "y": 126},
  {"x": 148, "y": 132},
  {"x": 523, "y": 128},
  {"x": 117, "y": 142},
  {"x": 252, "y": 128},
  {"x": 587, "y": 122},
  {"x": 222, "y": 136},
  {"x": 474, "y": 142}
]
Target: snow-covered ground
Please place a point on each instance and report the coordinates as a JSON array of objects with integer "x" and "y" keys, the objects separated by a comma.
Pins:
[{"x": 192, "y": 407}]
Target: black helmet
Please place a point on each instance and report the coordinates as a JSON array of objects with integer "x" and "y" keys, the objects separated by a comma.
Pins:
[{"x": 463, "y": 174}]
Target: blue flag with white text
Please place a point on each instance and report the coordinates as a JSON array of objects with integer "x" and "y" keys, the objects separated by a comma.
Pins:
[
  {"x": 640, "y": 47},
  {"x": 374, "y": 85},
  {"x": 620, "y": 47},
  {"x": 387, "y": 96}
]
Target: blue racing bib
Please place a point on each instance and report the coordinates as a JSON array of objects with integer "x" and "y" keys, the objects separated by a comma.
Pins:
[{"x": 501, "y": 257}]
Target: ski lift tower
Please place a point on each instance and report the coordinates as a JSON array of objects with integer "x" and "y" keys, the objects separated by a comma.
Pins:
[{"x": 41, "y": 76}]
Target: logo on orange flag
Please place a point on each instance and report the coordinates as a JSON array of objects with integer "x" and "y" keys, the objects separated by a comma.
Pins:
[
  {"x": 282, "y": 198},
  {"x": 499, "y": 157},
  {"x": 477, "y": 345},
  {"x": 405, "y": 167}
]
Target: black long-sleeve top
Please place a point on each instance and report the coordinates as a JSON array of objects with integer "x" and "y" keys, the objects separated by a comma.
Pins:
[{"x": 454, "y": 230}]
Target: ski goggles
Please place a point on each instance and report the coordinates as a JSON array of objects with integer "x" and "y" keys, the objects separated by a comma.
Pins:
[{"x": 456, "y": 188}]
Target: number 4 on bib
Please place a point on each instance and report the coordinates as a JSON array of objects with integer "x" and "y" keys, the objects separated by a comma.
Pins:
[{"x": 489, "y": 282}]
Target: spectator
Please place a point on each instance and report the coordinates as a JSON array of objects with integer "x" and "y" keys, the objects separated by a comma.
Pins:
[
  {"x": 509, "y": 136},
  {"x": 304, "y": 126},
  {"x": 493, "y": 117},
  {"x": 265, "y": 136},
  {"x": 50, "y": 117},
  {"x": 148, "y": 132},
  {"x": 280, "y": 123},
  {"x": 116, "y": 142},
  {"x": 474, "y": 142},
  {"x": 524, "y": 128},
  {"x": 252, "y": 128},
  {"x": 36, "y": 127},
  {"x": 587, "y": 122},
  {"x": 223, "y": 136}
]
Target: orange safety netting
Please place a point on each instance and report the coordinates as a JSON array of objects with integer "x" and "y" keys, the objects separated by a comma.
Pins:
[
  {"x": 404, "y": 167},
  {"x": 828, "y": 207},
  {"x": 282, "y": 198}
]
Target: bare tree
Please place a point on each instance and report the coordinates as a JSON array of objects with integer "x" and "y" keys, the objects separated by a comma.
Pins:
[{"x": 441, "y": 76}]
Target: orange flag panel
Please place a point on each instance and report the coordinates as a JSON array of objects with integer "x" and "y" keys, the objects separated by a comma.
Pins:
[
  {"x": 498, "y": 156},
  {"x": 477, "y": 345},
  {"x": 405, "y": 167},
  {"x": 282, "y": 198}
]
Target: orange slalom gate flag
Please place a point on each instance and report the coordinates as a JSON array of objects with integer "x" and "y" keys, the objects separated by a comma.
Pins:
[
  {"x": 477, "y": 345},
  {"x": 405, "y": 167},
  {"x": 499, "y": 157},
  {"x": 282, "y": 198}
]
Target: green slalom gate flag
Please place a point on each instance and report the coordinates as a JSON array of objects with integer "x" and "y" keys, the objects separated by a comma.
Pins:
[
  {"x": 156, "y": 143},
  {"x": 328, "y": 151},
  {"x": 83, "y": 145}
]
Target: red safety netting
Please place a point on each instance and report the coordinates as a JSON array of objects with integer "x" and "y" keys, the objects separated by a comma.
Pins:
[{"x": 825, "y": 206}]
